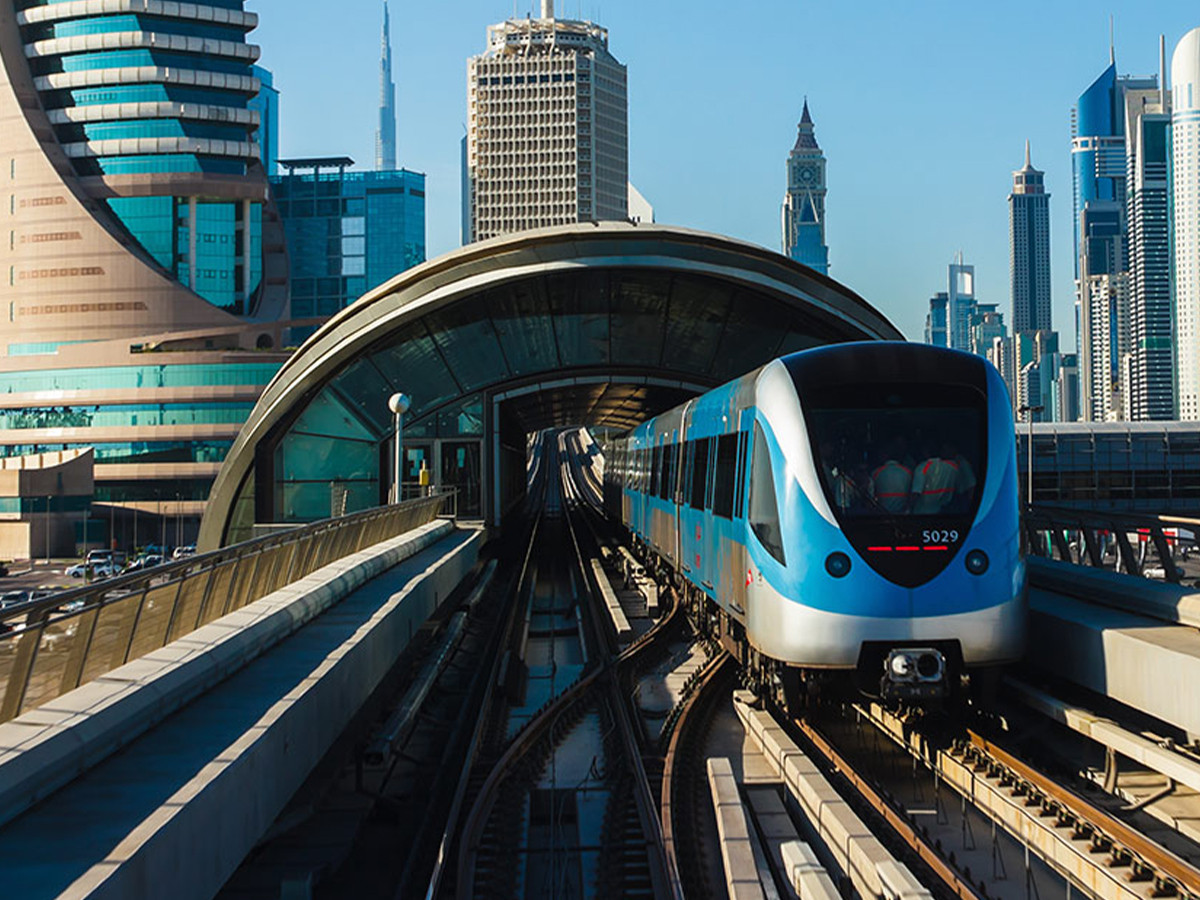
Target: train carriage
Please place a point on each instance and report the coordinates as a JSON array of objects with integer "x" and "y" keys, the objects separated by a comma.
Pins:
[{"x": 846, "y": 510}]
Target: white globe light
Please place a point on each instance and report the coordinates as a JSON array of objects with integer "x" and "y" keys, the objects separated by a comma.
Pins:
[{"x": 399, "y": 403}]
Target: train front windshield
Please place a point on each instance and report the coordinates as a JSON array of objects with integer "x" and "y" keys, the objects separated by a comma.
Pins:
[{"x": 899, "y": 451}]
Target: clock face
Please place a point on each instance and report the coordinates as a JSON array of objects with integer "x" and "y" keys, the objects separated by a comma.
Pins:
[{"x": 807, "y": 174}]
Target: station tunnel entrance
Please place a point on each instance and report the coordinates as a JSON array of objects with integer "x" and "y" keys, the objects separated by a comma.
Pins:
[{"x": 593, "y": 325}]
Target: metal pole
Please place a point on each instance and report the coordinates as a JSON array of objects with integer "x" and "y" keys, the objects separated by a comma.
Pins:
[
  {"x": 47, "y": 532},
  {"x": 399, "y": 404}
]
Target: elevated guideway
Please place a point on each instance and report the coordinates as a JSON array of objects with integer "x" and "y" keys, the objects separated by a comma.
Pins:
[{"x": 161, "y": 774}]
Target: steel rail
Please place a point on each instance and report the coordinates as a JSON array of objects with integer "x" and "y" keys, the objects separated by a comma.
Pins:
[
  {"x": 895, "y": 820},
  {"x": 681, "y": 735},
  {"x": 1170, "y": 869}
]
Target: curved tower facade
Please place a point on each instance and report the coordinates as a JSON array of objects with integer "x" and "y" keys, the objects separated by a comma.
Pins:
[{"x": 143, "y": 275}]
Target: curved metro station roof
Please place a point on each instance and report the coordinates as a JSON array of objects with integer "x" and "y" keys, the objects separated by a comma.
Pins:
[{"x": 595, "y": 324}]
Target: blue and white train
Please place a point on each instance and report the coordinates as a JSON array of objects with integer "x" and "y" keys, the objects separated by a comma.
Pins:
[{"x": 845, "y": 511}]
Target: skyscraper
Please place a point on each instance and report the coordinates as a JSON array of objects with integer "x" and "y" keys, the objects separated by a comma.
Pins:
[
  {"x": 547, "y": 130},
  {"x": 1152, "y": 376},
  {"x": 936, "y": 320},
  {"x": 1103, "y": 311},
  {"x": 804, "y": 203},
  {"x": 961, "y": 303},
  {"x": 1029, "y": 248},
  {"x": 385, "y": 136},
  {"x": 266, "y": 105},
  {"x": 1185, "y": 202},
  {"x": 144, "y": 285},
  {"x": 1098, "y": 157}
]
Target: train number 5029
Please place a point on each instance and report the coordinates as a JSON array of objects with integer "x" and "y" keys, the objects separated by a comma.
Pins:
[{"x": 936, "y": 536}]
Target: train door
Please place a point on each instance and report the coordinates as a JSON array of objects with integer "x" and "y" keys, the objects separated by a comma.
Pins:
[{"x": 677, "y": 488}]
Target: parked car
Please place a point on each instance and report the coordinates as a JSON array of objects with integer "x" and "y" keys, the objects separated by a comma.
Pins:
[
  {"x": 181, "y": 552},
  {"x": 12, "y": 598},
  {"x": 144, "y": 562},
  {"x": 3, "y": 569},
  {"x": 99, "y": 570}
]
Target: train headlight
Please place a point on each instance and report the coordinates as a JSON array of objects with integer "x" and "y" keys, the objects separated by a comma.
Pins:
[
  {"x": 977, "y": 562},
  {"x": 837, "y": 564}
]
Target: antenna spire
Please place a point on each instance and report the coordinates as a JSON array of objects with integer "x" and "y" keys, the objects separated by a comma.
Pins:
[
  {"x": 1162, "y": 71},
  {"x": 1112, "y": 41}
]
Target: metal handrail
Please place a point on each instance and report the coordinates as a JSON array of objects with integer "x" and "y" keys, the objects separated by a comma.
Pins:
[
  {"x": 1081, "y": 536},
  {"x": 75, "y": 636}
]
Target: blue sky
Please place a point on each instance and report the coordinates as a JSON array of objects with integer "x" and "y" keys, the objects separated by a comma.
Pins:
[{"x": 922, "y": 109}]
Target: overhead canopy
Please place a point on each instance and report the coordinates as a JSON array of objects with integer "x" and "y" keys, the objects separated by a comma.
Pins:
[{"x": 597, "y": 324}]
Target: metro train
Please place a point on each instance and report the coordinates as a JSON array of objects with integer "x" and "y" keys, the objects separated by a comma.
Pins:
[{"x": 842, "y": 519}]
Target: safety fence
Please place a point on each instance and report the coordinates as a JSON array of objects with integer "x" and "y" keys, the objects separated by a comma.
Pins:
[
  {"x": 55, "y": 644},
  {"x": 1159, "y": 547}
]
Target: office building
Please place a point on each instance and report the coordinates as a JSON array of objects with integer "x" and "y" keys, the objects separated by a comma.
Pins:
[
  {"x": 804, "y": 203},
  {"x": 266, "y": 105},
  {"x": 937, "y": 320},
  {"x": 960, "y": 303},
  {"x": 1185, "y": 208},
  {"x": 144, "y": 285},
  {"x": 1029, "y": 248},
  {"x": 385, "y": 137},
  {"x": 1152, "y": 377},
  {"x": 546, "y": 128},
  {"x": 347, "y": 232}
]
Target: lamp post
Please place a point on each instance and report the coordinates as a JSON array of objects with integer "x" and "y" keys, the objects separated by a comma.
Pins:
[
  {"x": 399, "y": 405},
  {"x": 1029, "y": 411}
]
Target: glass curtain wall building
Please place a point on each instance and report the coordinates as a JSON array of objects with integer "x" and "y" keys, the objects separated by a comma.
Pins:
[
  {"x": 144, "y": 277},
  {"x": 347, "y": 232},
  {"x": 1185, "y": 201}
]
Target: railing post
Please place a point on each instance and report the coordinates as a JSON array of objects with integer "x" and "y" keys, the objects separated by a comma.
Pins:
[
  {"x": 1170, "y": 570},
  {"x": 174, "y": 607},
  {"x": 1128, "y": 557},
  {"x": 133, "y": 631},
  {"x": 1093, "y": 547}
]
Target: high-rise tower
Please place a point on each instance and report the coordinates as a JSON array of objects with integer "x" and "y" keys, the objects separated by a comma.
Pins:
[
  {"x": 144, "y": 279},
  {"x": 547, "y": 128},
  {"x": 1098, "y": 158},
  {"x": 385, "y": 137},
  {"x": 804, "y": 204},
  {"x": 1029, "y": 248},
  {"x": 1185, "y": 205},
  {"x": 1152, "y": 375}
]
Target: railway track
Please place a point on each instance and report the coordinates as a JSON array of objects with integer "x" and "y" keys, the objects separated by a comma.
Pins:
[{"x": 565, "y": 807}]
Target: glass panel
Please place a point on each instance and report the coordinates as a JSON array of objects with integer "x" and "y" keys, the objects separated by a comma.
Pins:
[
  {"x": 699, "y": 473},
  {"x": 639, "y": 307},
  {"x": 191, "y": 595},
  {"x": 581, "y": 309},
  {"x": 364, "y": 389},
  {"x": 522, "y": 318},
  {"x": 303, "y": 457},
  {"x": 328, "y": 416},
  {"x": 724, "y": 476},
  {"x": 54, "y": 650},
  {"x": 111, "y": 637},
  {"x": 753, "y": 334},
  {"x": 152, "y": 623},
  {"x": 467, "y": 340},
  {"x": 218, "y": 597},
  {"x": 698, "y": 313},
  {"x": 415, "y": 362}
]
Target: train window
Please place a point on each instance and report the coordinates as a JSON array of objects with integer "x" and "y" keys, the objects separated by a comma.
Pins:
[
  {"x": 725, "y": 476},
  {"x": 655, "y": 469},
  {"x": 699, "y": 473},
  {"x": 899, "y": 450},
  {"x": 739, "y": 495},
  {"x": 764, "y": 511},
  {"x": 666, "y": 488}
]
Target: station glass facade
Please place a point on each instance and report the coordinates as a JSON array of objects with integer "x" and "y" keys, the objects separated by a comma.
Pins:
[{"x": 1152, "y": 467}]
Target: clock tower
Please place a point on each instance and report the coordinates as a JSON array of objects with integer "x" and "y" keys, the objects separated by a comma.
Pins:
[{"x": 804, "y": 204}]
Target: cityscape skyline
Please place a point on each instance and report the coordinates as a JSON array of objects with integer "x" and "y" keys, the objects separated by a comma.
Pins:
[{"x": 882, "y": 252}]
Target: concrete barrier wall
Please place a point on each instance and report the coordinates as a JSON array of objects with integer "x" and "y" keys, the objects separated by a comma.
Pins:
[
  {"x": 194, "y": 814},
  {"x": 47, "y": 747}
]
